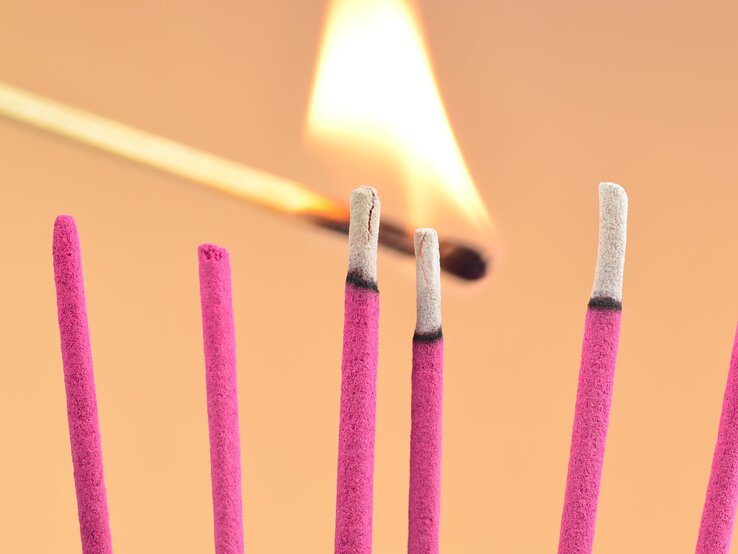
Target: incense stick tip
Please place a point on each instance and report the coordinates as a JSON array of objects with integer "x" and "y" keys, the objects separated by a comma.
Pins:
[
  {"x": 364, "y": 208},
  {"x": 364, "y": 233},
  {"x": 608, "y": 281},
  {"x": 610, "y": 186},
  {"x": 426, "y": 248},
  {"x": 424, "y": 232},
  {"x": 64, "y": 224},
  {"x": 613, "y": 197},
  {"x": 364, "y": 191},
  {"x": 65, "y": 233},
  {"x": 427, "y": 282},
  {"x": 212, "y": 253}
]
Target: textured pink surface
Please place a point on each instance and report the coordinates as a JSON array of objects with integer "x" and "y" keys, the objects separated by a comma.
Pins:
[
  {"x": 355, "y": 482},
  {"x": 222, "y": 392},
  {"x": 718, "y": 515},
  {"x": 79, "y": 380},
  {"x": 425, "y": 448},
  {"x": 591, "y": 417}
]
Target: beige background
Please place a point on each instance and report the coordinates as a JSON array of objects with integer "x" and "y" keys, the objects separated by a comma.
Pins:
[{"x": 546, "y": 100}]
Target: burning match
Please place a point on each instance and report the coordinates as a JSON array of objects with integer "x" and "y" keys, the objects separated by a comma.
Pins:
[
  {"x": 219, "y": 174},
  {"x": 596, "y": 374}
]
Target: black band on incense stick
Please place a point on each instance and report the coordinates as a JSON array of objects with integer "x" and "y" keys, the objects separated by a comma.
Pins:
[
  {"x": 428, "y": 337},
  {"x": 605, "y": 303},
  {"x": 359, "y": 281}
]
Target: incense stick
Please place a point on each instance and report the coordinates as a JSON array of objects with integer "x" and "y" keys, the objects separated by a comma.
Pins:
[
  {"x": 718, "y": 515},
  {"x": 222, "y": 392},
  {"x": 279, "y": 194},
  {"x": 79, "y": 382},
  {"x": 594, "y": 393},
  {"x": 427, "y": 399},
  {"x": 355, "y": 479}
]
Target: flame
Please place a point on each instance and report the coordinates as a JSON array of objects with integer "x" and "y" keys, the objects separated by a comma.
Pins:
[{"x": 375, "y": 87}]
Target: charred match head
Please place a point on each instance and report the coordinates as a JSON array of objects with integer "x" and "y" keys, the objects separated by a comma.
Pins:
[
  {"x": 428, "y": 283},
  {"x": 463, "y": 261},
  {"x": 363, "y": 235},
  {"x": 217, "y": 173},
  {"x": 608, "y": 282},
  {"x": 457, "y": 259}
]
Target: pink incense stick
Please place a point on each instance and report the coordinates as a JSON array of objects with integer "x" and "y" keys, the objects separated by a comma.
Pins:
[
  {"x": 594, "y": 394},
  {"x": 222, "y": 392},
  {"x": 427, "y": 399},
  {"x": 79, "y": 381},
  {"x": 355, "y": 480},
  {"x": 718, "y": 515}
]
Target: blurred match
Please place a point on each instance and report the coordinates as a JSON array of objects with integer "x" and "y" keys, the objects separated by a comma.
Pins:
[{"x": 219, "y": 174}]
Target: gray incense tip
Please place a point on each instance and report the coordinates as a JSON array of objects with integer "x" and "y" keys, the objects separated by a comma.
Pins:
[
  {"x": 428, "y": 282},
  {"x": 608, "y": 282},
  {"x": 364, "y": 233}
]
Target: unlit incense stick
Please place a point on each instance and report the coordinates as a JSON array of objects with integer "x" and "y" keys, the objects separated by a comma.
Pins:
[
  {"x": 355, "y": 479},
  {"x": 79, "y": 381},
  {"x": 214, "y": 172},
  {"x": 427, "y": 400},
  {"x": 594, "y": 393},
  {"x": 718, "y": 515},
  {"x": 222, "y": 392}
]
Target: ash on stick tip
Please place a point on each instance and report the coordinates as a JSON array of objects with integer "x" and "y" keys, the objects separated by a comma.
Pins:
[
  {"x": 364, "y": 233},
  {"x": 428, "y": 282},
  {"x": 608, "y": 282},
  {"x": 212, "y": 253}
]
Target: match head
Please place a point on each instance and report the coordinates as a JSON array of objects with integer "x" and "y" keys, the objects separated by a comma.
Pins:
[
  {"x": 363, "y": 234},
  {"x": 427, "y": 282},
  {"x": 608, "y": 281},
  {"x": 463, "y": 261}
]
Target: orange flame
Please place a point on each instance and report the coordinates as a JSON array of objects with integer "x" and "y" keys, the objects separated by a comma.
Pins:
[{"x": 375, "y": 87}]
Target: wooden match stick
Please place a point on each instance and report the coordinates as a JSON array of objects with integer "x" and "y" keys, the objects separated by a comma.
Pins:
[
  {"x": 427, "y": 400},
  {"x": 222, "y": 392},
  {"x": 594, "y": 394},
  {"x": 214, "y": 172},
  {"x": 355, "y": 480},
  {"x": 79, "y": 381},
  {"x": 718, "y": 515}
]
